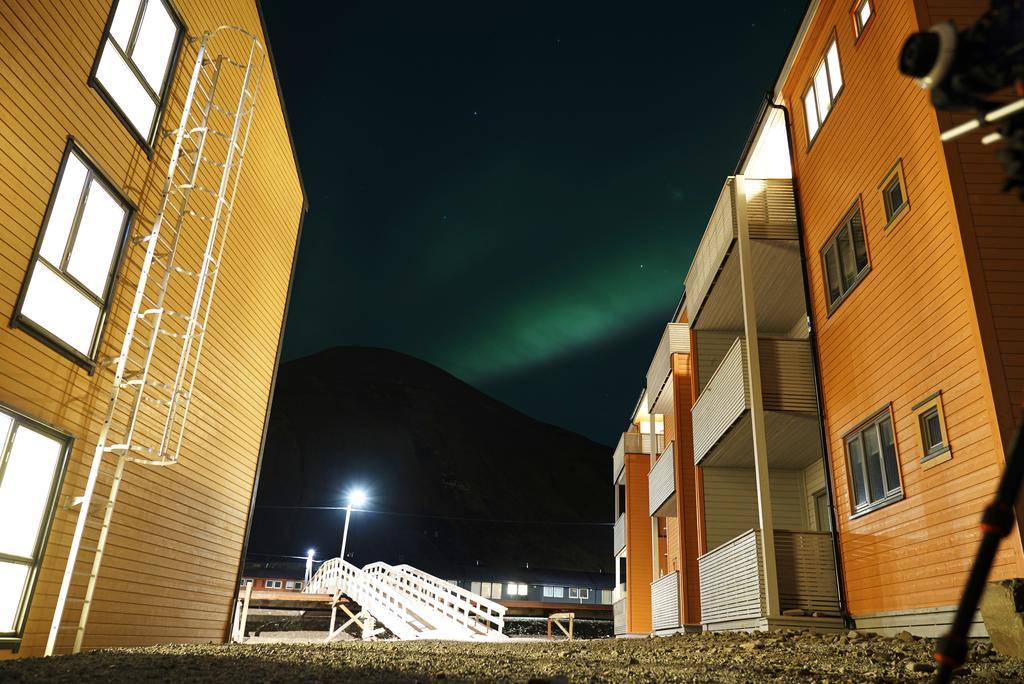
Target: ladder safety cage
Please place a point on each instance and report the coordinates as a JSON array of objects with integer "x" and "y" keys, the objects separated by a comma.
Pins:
[{"x": 154, "y": 374}]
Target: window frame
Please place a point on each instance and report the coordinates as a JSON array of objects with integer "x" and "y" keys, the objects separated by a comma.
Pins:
[
  {"x": 833, "y": 97},
  {"x": 858, "y": 27},
  {"x": 22, "y": 322},
  {"x": 163, "y": 97},
  {"x": 891, "y": 497},
  {"x": 942, "y": 452},
  {"x": 832, "y": 306},
  {"x": 12, "y": 640},
  {"x": 894, "y": 174}
]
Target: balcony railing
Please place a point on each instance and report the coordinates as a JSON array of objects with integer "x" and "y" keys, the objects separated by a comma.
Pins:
[
  {"x": 619, "y": 616},
  {"x": 732, "y": 577},
  {"x": 661, "y": 480},
  {"x": 619, "y": 535},
  {"x": 619, "y": 459},
  {"x": 771, "y": 214},
  {"x": 675, "y": 340},
  {"x": 640, "y": 442},
  {"x": 665, "y": 602},
  {"x": 787, "y": 385}
]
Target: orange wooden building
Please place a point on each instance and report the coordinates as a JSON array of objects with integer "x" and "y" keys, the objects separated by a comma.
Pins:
[
  {"x": 915, "y": 269},
  {"x": 123, "y": 133}
]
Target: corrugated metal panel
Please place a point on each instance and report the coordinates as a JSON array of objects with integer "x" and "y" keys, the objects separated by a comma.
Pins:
[
  {"x": 674, "y": 340},
  {"x": 718, "y": 237},
  {"x": 730, "y": 580},
  {"x": 619, "y": 616},
  {"x": 806, "y": 571},
  {"x": 618, "y": 459},
  {"x": 723, "y": 400},
  {"x": 619, "y": 535},
  {"x": 771, "y": 210},
  {"x": 787, "y": 375},
  {"x": 665, "y": 602},
  {"x": 661, "y": 482}
]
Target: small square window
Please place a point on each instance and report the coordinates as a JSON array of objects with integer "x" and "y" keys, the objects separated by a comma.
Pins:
[
  {"x": 862, "y": 13},
  {"x": 135, "y": 62},
  {"x": 894, "y": 194},
  {"x": 932, "y": 427}
]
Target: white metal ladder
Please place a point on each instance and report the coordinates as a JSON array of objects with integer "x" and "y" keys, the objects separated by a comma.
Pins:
[{"x": 155, "y": 372}]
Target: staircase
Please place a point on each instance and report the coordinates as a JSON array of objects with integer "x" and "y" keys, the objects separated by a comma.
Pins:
[{"x": 410, "y": 603}]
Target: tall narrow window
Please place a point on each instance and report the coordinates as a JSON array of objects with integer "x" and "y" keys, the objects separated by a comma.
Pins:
[
  {"x": 135, "y": 62},
  {"x": 823, "y": 90},
  {"x": 872, "y": 464},
  {"x": 67, "y": 291},
  {"x": 862, "y": 13},
  {"x": 32, "y": 460},
  {"x": 845, "y": 258}
]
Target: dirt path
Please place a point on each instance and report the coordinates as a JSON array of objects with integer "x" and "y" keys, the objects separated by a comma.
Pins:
[{"x": 779, "y": 657}]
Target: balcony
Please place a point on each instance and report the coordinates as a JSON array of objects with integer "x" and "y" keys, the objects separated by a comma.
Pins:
[
  {"x": 732, "y": 593},
  {"x": 619, "y": 459},
  {"x": 714, "y": 300},
  {"x": 619, "y": 536},
  {"x": 721, "y": 416},
  {"x": 661, "y": 482},
  {"x": 675, "y": 340},
  {"x": 640, "y": 442},
  {"x": 665, "y": 602},
  {"x": 619, "y": 625}
]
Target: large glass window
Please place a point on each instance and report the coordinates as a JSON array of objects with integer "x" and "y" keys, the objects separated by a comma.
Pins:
[
  {"x": 872, "y": 462},
  {"x": 135, "y": 62},
  {"x": 67, "y": 291},
  {"x": 823, "y": 90},
  {"x": 32, "y": 459},
  {"x": 845, "y": 258}
]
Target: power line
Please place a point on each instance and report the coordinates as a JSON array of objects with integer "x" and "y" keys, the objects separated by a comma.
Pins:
[{"x": 442, "y": 517}]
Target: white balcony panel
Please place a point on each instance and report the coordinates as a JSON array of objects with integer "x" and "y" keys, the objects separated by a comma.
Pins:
[
  {"x": 619, "y": 616},
  {"x": 723, "y": 401},
  {"x": 730, "y": 580},
  {"x": 619, "y": 536},
  {"x": 717, "y": 240},
  {"x": 771, "y": 209},
  {"x": 665, "y": 602},
  {"x": 661, "y": 481},
  {"x": 640, "y": 443},
  {"x": 807, "y": 571},
  {"x": 787, "y": 375},
  {"x": 675, "y": 340},
  {"x": 618, "y": 459}
]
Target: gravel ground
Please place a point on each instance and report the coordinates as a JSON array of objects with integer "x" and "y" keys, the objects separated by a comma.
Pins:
[{"x": 704, "y": 658}]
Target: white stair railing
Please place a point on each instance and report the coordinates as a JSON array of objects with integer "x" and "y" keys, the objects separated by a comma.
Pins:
[{"x": 410, "y": 603}]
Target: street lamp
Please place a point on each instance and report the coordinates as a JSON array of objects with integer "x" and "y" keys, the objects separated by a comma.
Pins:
[
  {"x": 309, "y": 565},
  {"x": 357, "y": 497}
]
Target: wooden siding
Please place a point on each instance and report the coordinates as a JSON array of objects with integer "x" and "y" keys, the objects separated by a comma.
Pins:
[
  {"x": 675, "y": 340},
  {"x": 713, "y": 345},
  {"x": 730, "y": 502},
  {"x": 771, "y": 209},
  {"x": 722, "y": 401},
  {"x": 730, "y": 580},
  {"x": 684, "y": 527},
  {"x": 665, "y": 602},
  {"x": 639, "y": 552},
  {"x": 787, "y": 375},
  {"x": 661, "y": 482},
  {"x": 177, "y": 526},
  {"x": 881, "y": 345}
]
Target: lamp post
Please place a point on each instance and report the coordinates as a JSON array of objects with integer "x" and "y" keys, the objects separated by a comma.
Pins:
[
  {"x": 356, "y": 497},
  {"x": 309, "y": 565}
]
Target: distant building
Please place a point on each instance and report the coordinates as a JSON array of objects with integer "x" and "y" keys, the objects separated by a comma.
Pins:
[
  {"x": 282, "y": 577},
  {"x": 530, "y": 591}
]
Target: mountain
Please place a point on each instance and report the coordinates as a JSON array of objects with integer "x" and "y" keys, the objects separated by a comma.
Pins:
[{"x": 455, "y": 477}]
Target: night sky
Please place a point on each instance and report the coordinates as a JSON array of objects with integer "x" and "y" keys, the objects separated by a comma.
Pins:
[{"x": 514, "y": 191}]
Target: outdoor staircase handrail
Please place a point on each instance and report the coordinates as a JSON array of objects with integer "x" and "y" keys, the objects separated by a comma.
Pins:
[
  {"x": 487, "y": 610},
  {"x": 378, "y": 599}
]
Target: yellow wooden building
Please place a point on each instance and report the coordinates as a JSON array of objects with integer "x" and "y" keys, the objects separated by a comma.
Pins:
[{"x": 124, "y": 125}]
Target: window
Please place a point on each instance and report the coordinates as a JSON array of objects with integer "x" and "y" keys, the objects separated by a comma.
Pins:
[
  {"x": 135, "y": 61},
  {"x": 491, "y": 590},
  {"x": 67, "y": 290},
  {"x": 874, "y": 470},
  {"x": 554, "y": 592},
  {"x": 894, "y": 194},
  {"x": 845, "y": 258},
  {"x": 606, "y": 597},
  {"x": 584, "y": 594},
  {"x": 515, "y": 589},
  {"x": 823, "y": 90},
  {"x": 862, "y": 14},
  {"x": 294, "y": 586},
  {"x": 32, "y": 462},
  {"x": 931, "y": 424},
  {"x": 272, "y": 584}
]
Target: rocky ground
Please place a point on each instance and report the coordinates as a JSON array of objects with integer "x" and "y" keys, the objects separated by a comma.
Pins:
[{"x": 692, "y": 658}]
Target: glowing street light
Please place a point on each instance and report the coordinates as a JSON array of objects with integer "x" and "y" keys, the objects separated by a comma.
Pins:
[
  {"x": 357, "y": 497},
  {"x": 309, "y": 565}
]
